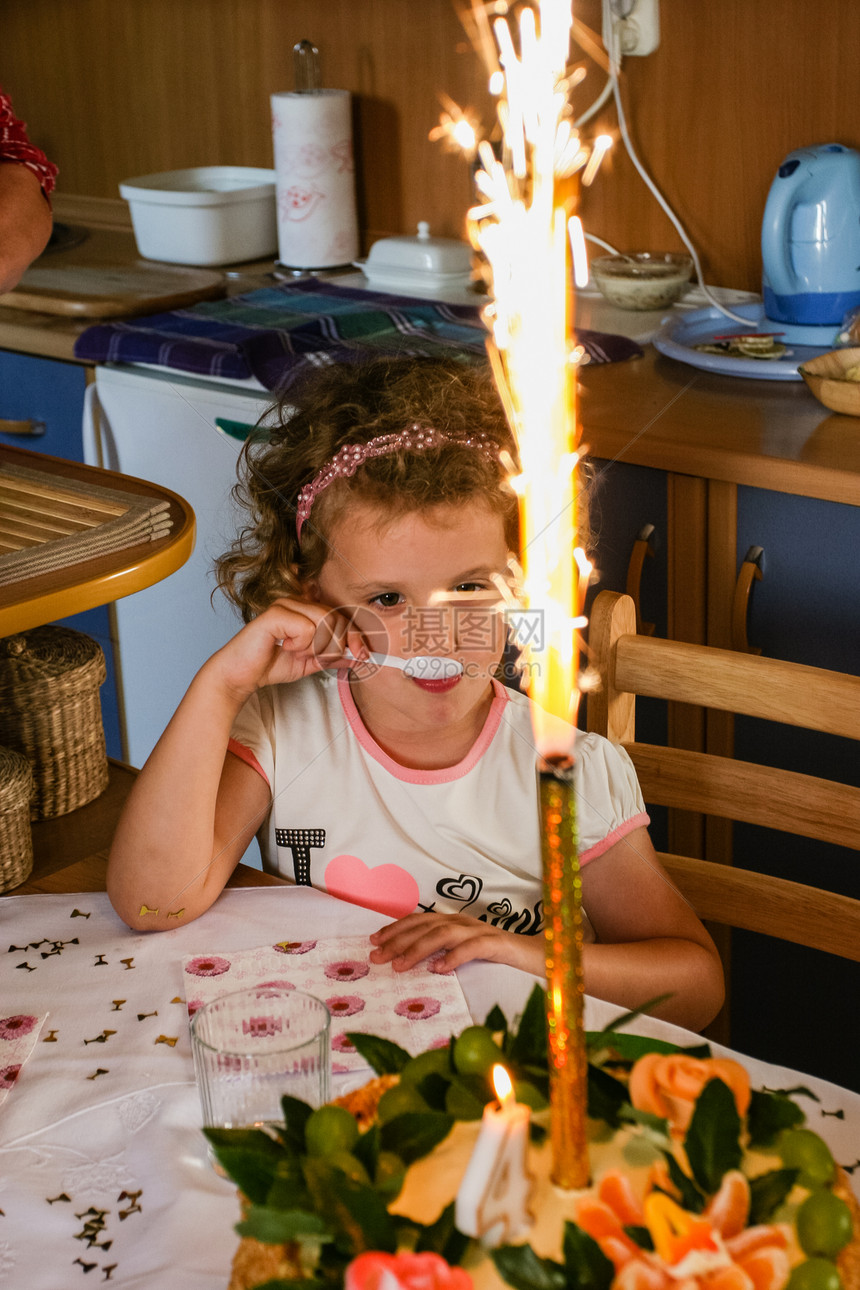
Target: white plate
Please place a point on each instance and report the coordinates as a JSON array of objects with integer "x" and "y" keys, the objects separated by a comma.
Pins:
[{"x": 679, "y": 334}]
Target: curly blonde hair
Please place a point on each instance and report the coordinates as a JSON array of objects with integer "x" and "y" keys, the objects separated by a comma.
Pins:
[{"x": 352, "y": 404}]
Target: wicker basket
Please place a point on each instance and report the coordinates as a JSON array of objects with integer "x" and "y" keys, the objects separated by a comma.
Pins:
[
  {"x": 50, "y": 712},
  {"x": 16, "y": 840}
]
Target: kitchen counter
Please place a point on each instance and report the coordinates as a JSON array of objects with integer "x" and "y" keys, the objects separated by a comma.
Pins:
[
  {"x": 651, "y": 411},
  {"x": 657, "y": 412}
]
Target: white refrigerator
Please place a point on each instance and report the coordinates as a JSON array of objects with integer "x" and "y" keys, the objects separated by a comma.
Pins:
[{"x": 185, "y": 434}]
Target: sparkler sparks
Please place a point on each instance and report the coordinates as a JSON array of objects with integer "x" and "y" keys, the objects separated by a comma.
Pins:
[
  {"x": 526, "y": 229},
  {"x": 529, "y": 237}
]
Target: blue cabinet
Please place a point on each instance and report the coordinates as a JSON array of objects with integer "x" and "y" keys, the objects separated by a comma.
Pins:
[
  {"x": 791, "y": 1004},
  {"x": 51, "y": 394},
  {"x": 622, "y": 503}
]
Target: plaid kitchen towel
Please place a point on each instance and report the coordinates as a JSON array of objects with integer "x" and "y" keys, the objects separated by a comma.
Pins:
[{"x": 275, "y": 333}]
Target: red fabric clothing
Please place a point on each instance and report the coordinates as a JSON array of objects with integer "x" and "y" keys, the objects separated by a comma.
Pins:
[{"x": 15, "y": 146}]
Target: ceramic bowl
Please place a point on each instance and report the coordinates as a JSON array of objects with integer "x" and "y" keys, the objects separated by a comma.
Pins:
[
  {"x": 642, "y": 279},
  {"x": 828, "y": 378}
]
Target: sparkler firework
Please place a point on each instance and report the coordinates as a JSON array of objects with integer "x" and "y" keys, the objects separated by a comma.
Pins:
[{"x": 527, "y": 232}]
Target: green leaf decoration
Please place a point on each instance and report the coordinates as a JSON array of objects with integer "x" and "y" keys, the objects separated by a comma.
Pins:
[
  {"x": 434, "y": 1088},
  {"x": 586, "y": 1266},
  {"x": 640, "y": 1236},
  {"x": 288, "y": 1189},
  {"x": 606, "y": 1096},
  {"x": 443, "y": 1237},
  {"x": 382, "y": 1055},
  {"x": 691, "y": 1198},
  {"x": 274, "y": 1226},
  {"x": 467, "y": 1095},
  {"x": 496, "y": 1020},
  {"x": 713, "y": 1143},
  {"x": 249, "y": 1157},
  {"x": 624, "y": 1018},
  {"x": 521, "y": 1268},
  {"x": 768, "y": 1191},
  {"x": 529, "y": 1045},
  {"x": 414, "y": 1134},
  {"x": 769, "y": 1114},
  {"x": 366, "y": 1148},
  {"x": 656, "y": 1126},
  {"x": 296, "y": 1115},
  {"x": 627, "y": 1047},
  {"x": 355, "y": 1213}
]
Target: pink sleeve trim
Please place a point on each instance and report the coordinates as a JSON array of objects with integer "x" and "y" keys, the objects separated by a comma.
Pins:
[
  {"x": 642, "y": 820},
  {"x": 244, "y": 754}
]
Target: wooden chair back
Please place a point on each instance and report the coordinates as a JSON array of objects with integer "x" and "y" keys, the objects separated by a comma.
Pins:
[{"x": 773, "y": 689}]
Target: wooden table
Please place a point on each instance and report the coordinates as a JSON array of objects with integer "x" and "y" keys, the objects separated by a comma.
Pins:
[{"x": 37, "y": 600}]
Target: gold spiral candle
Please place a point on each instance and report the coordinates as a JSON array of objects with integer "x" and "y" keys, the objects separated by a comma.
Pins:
[{"x": 568, "y": 1064}]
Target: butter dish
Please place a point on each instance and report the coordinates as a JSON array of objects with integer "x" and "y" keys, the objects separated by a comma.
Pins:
[{"x": 421, "y": 263}]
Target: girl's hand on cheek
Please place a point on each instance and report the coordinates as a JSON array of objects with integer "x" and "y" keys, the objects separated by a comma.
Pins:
[
  {"x": 460, "y": 939},
  {"x": 290, "y": 640}
]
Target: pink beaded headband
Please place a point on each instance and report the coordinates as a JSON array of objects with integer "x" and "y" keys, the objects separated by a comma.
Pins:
[{"x": 347, "y": 459}]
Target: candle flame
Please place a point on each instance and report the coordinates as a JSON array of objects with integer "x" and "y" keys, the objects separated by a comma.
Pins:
[{"x": 502, "y": 1084}]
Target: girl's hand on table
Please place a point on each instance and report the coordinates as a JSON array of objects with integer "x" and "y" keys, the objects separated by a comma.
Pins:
[
  {"x": 415, "y": 937},
  {"x": 289, "y": 640}
]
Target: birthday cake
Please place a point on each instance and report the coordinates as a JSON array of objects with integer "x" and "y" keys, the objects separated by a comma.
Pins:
[{"x": 697, "y": 1182}]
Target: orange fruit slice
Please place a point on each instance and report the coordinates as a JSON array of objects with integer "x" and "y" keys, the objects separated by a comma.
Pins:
[
  {"x": 596, "y": 1218},
  {"x": 731, "y": 1278},
  {"x": 639, "y": 1275},
  {"x": 754, "y": 1238},
  {"x": 616, "y": 1190},
  {"x": 767, "y": 1268},
  {"x": 728, "y": 1210}
]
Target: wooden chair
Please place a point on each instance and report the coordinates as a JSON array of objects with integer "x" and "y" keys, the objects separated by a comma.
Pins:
[{"x": 777, "y": 799}]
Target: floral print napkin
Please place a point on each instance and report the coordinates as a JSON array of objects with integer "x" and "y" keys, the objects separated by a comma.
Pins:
[
  {"x": 416, "y": 1009},
  {"x": 18, "y": 1037}
]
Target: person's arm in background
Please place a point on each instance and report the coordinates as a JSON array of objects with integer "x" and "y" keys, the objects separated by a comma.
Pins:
[{"x": 26, "y": 181}]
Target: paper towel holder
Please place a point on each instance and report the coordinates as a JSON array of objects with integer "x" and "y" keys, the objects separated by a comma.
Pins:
[{"x": 306, "y": 67}]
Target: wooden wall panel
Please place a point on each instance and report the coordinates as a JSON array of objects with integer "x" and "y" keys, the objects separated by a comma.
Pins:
[
  {"x": 733, "y": 87},
  {"x": 116, "y": 88}
]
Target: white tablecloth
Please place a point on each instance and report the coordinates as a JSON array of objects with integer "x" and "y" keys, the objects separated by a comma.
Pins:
[{"x": 104, "y": 1176}]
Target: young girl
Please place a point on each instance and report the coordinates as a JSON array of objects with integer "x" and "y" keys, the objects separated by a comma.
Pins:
[{"x": 381, "y": 524}]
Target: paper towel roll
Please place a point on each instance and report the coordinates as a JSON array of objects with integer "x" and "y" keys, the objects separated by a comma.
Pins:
[{"x": 312, "y": 133}]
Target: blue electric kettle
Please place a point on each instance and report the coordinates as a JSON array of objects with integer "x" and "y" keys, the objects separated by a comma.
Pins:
[{"x": 810, "y": 238}]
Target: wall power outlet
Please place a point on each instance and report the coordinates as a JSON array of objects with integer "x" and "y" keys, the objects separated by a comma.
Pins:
[{"x": 633, "y": 26}]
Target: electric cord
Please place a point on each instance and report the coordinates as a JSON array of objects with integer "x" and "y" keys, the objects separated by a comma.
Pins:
[
  {"x": 615, "y": 56},
  {"x": 602, "y": 98}
]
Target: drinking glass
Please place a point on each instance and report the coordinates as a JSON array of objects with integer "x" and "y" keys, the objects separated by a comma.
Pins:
[{"x": 252, "y": 1047}]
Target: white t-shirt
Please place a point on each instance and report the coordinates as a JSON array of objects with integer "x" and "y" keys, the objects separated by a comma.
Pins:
[{"x": 351, "y": 821}]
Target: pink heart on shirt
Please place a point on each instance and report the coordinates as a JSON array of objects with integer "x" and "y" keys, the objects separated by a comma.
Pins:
[{"x": 387, "y": 888}]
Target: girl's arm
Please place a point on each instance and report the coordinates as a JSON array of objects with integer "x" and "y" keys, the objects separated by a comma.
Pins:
[
  {"x": 194, "y": 808},
  {"x": 650, "y": 942}
]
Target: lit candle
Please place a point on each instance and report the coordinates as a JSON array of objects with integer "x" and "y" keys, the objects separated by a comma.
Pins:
[{"x": 493, "y": 1200}]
